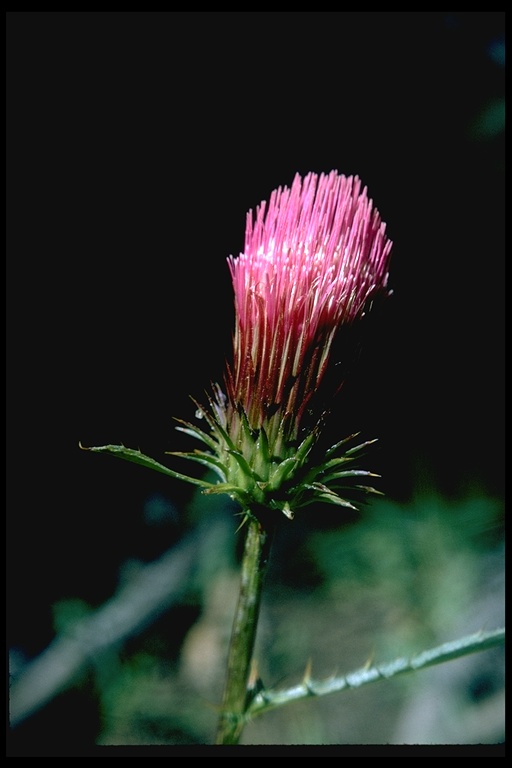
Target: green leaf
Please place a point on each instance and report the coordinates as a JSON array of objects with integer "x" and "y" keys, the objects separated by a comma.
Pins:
[
  {"x": 223, "y": 435},
  {"x": 233, "y": 491},
  {"x": 282, "y": 472},
  {"x": 262, "y": 446},
  {"x": 206, "y": 459},
  {"x": 243, "y": 464},
  {"x": 333, "y": 498},
  {"x": 250, "y": 433},
  {"x": 328, "y": 498},
  {"x": 332, "y": 463},
  {"x": 305, "y": 447},
  {"x": 136, "y": 457},
  {"x": 369, "y": 489},
  {"x": 193, "y": 431},
  {"x": 360, "y": 447},
  {"x": 284, "y": 507},
  {"x": 335, "y": 447},
  {"x": 323, "y": 493},
  {"x": 348, "y": 473}
]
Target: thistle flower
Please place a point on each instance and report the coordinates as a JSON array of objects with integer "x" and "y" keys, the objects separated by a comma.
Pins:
[{"x": 314, "y": 258}]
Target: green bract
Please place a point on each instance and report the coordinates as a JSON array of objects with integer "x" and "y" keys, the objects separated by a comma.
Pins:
[{"x": 255, "y": 476}]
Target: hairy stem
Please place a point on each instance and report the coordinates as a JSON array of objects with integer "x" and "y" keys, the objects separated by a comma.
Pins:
[{"x": 235, "y": 699}]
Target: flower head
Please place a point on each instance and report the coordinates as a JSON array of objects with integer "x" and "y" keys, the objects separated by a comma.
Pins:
[{"x": 314, "y": 258}]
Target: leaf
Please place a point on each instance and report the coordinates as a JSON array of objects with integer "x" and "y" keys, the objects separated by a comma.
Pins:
[
  {"x": 335, "y": 447},
  {"x": 233, "y": 491},
  {"x": 206, "y": 459},
  {"x": 305, "y": 447},
  {"x": 323, "y": 493},
  {"x": 262, "y": 446},
  {"x": 243, "y": 464},
  {"x": 348, "y": 473},
  {"x": 360, "y": 447},
  {"x": 136, "y": 457},
  {"x": 193, "y": 431},
  {"x": 282, "y": 472}
]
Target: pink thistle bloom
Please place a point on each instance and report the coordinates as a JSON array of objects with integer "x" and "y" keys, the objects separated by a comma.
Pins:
[{"x": 313, "y": 259}]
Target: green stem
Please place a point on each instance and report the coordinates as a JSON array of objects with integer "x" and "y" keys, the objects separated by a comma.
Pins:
[
  {"x": 234, "y": 704},
  {"x": 264, "y": 700}
]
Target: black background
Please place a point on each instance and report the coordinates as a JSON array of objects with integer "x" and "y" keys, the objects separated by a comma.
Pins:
[{"x": 136, "y": 143}]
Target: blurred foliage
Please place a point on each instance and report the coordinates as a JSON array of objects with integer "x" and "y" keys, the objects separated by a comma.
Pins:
[
  {"x": 67, "y": 612},
  {"x": 419, "y": 556},
  {"x": 398, "y": 580}
]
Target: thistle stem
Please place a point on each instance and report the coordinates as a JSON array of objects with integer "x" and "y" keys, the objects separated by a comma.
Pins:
[{"x": 235, "y": 700}]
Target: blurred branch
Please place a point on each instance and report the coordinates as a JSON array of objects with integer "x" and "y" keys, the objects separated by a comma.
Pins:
[
  {"x": 153, "y": 590},
  {"x": 265, "y": 700}
]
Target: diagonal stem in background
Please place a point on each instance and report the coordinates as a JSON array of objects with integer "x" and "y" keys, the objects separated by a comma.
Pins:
[{"x": 266, "y": 700}]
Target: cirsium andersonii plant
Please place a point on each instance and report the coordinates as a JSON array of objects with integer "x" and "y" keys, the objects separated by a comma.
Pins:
[{"x": 314, "y": 259}]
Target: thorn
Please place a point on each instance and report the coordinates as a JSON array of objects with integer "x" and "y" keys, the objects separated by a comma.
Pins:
[
  {"x": 254, "y": 684},
  {"x": 307, "y": 673},
  {"x": 246, "y": 517},
  {"x": 307, "y": 680},
  {"x": 82, "y": 447},
  {"x": 369, "y": 662},
  {"x": 289, "y": 513},
  {"x": 253, "y": 675},
  {"x": 333, "y": 676}
]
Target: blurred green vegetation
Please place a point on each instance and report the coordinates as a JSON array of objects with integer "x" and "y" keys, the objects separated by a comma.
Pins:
[
  {"x": 418, "y": 557},
  {"x": 399, "y": 579}
]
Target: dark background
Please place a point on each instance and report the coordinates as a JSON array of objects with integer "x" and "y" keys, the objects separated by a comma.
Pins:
[{"x": 136, "y": 143}]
